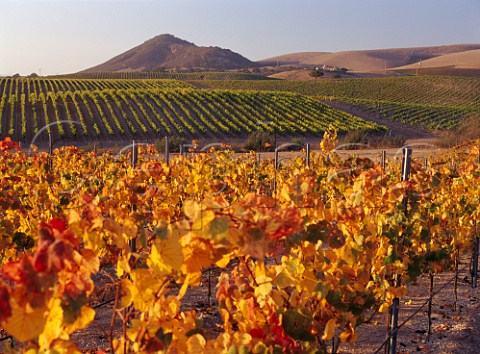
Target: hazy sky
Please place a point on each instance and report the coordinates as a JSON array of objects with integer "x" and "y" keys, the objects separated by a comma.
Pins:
[{"x": 50, "y": 37}]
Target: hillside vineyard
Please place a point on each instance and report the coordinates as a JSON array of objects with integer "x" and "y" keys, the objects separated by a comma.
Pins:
[
  {"x": 431, "y": 102},
  {"x": 121, "y": 110}
]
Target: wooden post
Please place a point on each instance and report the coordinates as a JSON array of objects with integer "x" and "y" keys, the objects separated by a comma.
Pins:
[
  {"x": 476, "y": 249},
  {"x": 397, "y": 281},
  {"x": 276, "y": 158},
  {"x": 307, "y": 157},
  {"x": 167, "y": 150},
  {"x": 134, "y": 154},
  {"x": 50, "y": 152},
  {"x": 133, "y": 241}
]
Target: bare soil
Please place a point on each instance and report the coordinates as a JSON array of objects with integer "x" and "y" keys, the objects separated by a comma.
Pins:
[{"x": 454, "y": 330}]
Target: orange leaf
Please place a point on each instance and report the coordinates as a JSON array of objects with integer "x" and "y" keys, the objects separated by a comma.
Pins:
[{"x": 329, "y": 330}]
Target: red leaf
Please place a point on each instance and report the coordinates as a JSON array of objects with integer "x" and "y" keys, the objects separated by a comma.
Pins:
[
  {"x": 257, "y": 333},
  {"x": 5, "y": 310},
  {"x": 59, "y": 254},
  {"x": 41, "y": 258},
  {"x": 58, "y": 224},
  {"x": 19, "y": 271},
  {"x": 7, "y": 144}
]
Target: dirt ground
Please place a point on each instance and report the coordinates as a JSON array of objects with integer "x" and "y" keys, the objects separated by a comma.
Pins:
[{"x": 453, "y": 330}]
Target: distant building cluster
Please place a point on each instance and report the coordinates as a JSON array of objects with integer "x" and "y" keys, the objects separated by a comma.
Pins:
[{"x": 332, "y": 68}]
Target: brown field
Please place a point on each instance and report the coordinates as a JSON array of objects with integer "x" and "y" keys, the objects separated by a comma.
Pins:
[
  {"x": 464, "y": 60},
  {"x": 369, "y": 60},
  {"x": 303, "y": 74}
]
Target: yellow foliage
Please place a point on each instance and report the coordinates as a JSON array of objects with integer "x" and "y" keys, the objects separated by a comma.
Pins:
[
  {"x": 26, "y": 322},
  {"x": 329, "y": 330},
  {"x": 166, "y": 256},
  {"x": 87, "y": 315},
  {"x": 196, "y": 344}
]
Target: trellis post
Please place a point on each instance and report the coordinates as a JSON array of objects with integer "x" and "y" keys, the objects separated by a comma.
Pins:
[
  {"x": 167, "y": 150},
  {"x": 393, "y": 312},
  {"x": 307, "y": 157},
  {"x": 476, "y": 248},
  {"x": 133, "y": 241}
]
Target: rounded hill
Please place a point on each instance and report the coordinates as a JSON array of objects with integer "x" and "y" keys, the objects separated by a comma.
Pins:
[{"x": 166, "y": 51}]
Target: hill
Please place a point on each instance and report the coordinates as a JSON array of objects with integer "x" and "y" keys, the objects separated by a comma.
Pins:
[
  {"x": 464, "y": 60},
  {"x": 368, "y": 60},
  {"x": 166, "y": 51},
  {"x": 169, "y": 53}
]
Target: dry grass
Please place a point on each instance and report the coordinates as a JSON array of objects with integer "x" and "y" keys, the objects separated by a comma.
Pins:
[
  {"x": 370, "y": 60},
  {"x": 468, "y": 129},
  {"x": 463, "y": 60}
]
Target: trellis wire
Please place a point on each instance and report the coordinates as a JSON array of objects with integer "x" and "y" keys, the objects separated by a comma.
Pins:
[{"x": 395, "y": 330}]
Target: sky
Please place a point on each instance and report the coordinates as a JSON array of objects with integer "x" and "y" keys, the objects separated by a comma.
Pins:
[{"x": 58, "y": 36}]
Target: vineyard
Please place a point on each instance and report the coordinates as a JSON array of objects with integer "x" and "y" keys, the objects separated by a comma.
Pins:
[
  {"x": 443, "y": 70},
  {"x": 27, "y": 86},
  {"x": 134, "y": 75},
  {"x": 309, "y": 248},
  {"x": 122, "y": 110},
  {"x": 432, "y": 102}
]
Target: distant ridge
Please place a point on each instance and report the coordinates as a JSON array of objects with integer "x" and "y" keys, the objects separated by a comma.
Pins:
[
  {"x": 368, "y": 60},
  {"x": 167, "y": 52},
  {"x": 469, "y": 59}
]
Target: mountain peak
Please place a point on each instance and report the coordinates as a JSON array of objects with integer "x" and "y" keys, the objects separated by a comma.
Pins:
[
  {"x": 166, "y": 51},
  {"x": 167, "y": 39}
]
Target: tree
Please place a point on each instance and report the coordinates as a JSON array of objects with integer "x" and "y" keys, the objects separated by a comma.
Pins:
[{"x": 316, "y": 73}]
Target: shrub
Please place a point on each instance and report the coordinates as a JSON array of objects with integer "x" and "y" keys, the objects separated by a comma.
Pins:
[
  {"x": 373, "y": 140},
  {"x": 260, "y": 141},
  {"x": 467, "y": 129},
  {"x": 174, "y": 143}
]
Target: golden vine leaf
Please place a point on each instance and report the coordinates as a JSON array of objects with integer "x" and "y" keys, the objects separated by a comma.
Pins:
[
  {"x": 329, "y": 330},
  {"x": 196, "y": 344},
  {"x": 26, "y": 322},
  {"x": 87, "y": 315},
  {"x": 166, "y": 255}
]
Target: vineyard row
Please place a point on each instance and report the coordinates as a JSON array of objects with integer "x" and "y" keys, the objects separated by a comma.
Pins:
[
  {"x": 27, "y": 86},
  {"x": 434, "y": 103},
  {"x": 154, "y": 113}
]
